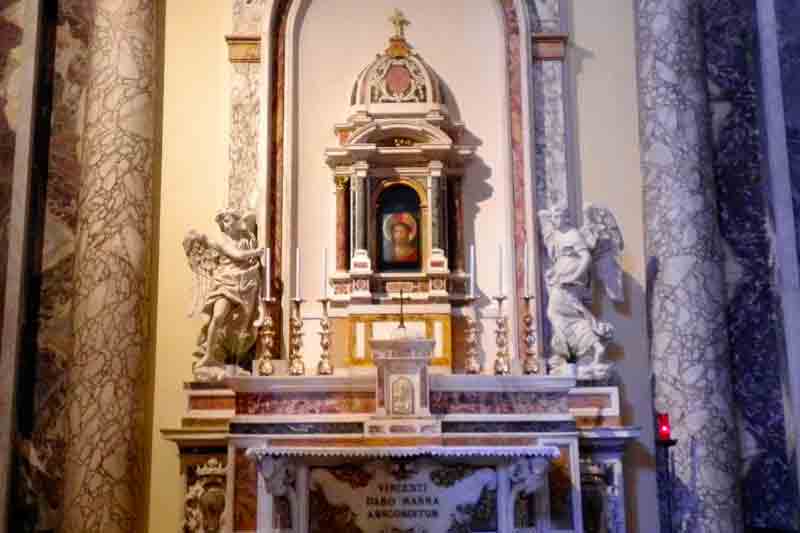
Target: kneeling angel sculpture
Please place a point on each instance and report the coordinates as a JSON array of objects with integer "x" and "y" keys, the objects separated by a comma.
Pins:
[
  {"x": 227, "y": 293},
  {"x": 577, "y": 258}
]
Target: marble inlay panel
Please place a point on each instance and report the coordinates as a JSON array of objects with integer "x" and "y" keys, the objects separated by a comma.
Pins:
[
  {"x": 248, "y": 16},
  {"x": 754, "y": 319},
  {"x": 306, "y": 403},
  {"x": 544, "y": 15},
  {"x": 443, "y": 403},
  {"x": 105, "y": 469},
  {"x": 243, "y": 147},
  {"x": 245, "y": 493},
  {"x": 689, "y": 348},
  {"x": 550, "y": 134}
]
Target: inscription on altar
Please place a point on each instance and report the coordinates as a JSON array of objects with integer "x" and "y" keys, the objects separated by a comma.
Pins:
[{"x": 420, "y": 496}]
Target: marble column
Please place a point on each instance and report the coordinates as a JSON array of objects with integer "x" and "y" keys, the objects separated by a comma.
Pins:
[
  {"x": 342, "y": 222},
  {"x": 105, "y": 463},
  {"x": 359, "y": 208},
  {"x": 434, "y": 192},
  {"x": 686, "y": 285}
]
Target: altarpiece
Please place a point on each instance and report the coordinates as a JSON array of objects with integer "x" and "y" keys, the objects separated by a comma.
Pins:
[{"x": 400, "y": 427}]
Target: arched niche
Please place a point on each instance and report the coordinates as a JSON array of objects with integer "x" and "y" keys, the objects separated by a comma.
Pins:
[{"x": 502, "y": 121}]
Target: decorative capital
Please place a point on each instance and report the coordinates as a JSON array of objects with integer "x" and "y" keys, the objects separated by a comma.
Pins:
[
  {"x": 244, "y": 48},
  {"x": 341, "y": 182}
]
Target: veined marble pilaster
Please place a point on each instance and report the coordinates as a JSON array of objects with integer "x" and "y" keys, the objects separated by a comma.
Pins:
[
  {"x": 689, "y": 345},
  {"x": 105, "y": 408},
  {"x": 246, "y": 108},
  {"x": 550, "y": 161}
]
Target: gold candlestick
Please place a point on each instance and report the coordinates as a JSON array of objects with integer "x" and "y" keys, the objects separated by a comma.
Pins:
[
  {"x": 472, "y": 364},
  {"x": 296, "y": 365},
  {"x": 263, "y": 364},
  {"x": 531, "y": 363},
  {"x": 502, "y": 364},
  {"x": 324, "y": 368}
]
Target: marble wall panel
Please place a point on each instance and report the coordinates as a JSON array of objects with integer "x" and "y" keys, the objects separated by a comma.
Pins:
[
  {"x": 305, "y": 403},
  {"x": 686, "y": 283},
  {"x": 550, "y": 134},
  {"x": 243, "y": 147},
  {"x": 754, "y": 320},
  {"x": 443, "y": 403}
]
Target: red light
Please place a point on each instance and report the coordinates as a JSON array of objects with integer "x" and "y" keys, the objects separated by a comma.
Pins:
[{"x": 664, "y": 429}]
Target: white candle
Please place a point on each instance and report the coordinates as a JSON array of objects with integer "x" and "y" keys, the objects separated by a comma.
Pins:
[
  {"x": 267, "y": 273},
  {"x": 472, "y": 271},
  {"x": 500, "y": 270},
  {"x": 525, "y": 270},
  {"x": 324, "y": 272},
  {"x": 297, "y": 293}
]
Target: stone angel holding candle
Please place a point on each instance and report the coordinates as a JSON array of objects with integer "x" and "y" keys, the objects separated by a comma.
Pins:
[
  {"x": 578, "y": 257},
  {"x": 227, "y": 292}
]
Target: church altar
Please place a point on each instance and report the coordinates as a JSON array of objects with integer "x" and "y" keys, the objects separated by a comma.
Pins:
[{"x": 402, "y": 421}]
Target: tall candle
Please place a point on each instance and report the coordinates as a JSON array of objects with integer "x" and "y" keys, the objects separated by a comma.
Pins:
[
  {"x": 267, "y": 273},
  {"x": 500, "y": 270},
  {"x": 297, "y": 293},
  {"x": 472, "y": 271},
  {"x": 525, "y": 270},
  {"x": 324, "y": 272}
]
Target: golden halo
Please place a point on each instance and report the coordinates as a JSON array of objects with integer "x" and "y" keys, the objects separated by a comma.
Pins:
[{"x": 400, "y": 218}]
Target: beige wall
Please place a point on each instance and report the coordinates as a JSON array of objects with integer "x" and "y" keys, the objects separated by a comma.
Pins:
[
  {"x": 193, "y": 174},
  {"x": 195, "y": 165},
  {"x": 603, "y": 57}
]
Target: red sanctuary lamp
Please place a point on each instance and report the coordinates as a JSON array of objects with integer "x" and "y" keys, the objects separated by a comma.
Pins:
[{"x": 664, "y": 430}]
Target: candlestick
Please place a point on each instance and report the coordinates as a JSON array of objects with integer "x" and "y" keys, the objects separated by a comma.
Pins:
[
  {"x": 324, "y": 368},
  {"x": 296, "y": 365},
  {"x": 531, "y": 364},
  {"x": 324, "y": 274},
  {"x": 297, "y": 292},
  {"x": 502, "y": 363},
  {"x": 472, "y": 364},
  {"x": 472, "y": 271},
  {"x": 263, "y": 364}
]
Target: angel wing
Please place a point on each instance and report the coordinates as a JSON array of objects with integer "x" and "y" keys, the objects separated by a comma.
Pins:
[
  {"x": 202, "y": 259},
  {"x": 602, "y": 234}
]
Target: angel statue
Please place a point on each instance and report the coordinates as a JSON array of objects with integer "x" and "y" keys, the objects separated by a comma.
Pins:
[
  {"x": 579, "y": 256},
  {"x": 226, "y": 292}
]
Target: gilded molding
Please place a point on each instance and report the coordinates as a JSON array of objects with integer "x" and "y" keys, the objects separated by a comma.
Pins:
[{"x": 244, "y": 48}]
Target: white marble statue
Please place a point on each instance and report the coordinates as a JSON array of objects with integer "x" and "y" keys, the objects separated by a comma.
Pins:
[
  {"x": 227, "y": 293},
  {"x": 579, "y": 257}
]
